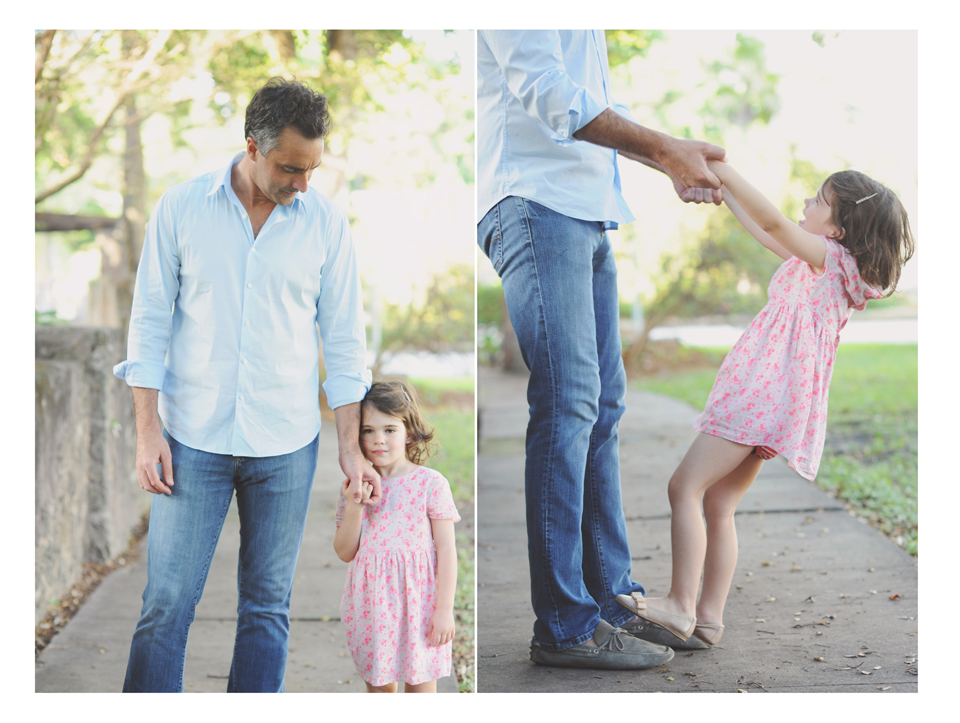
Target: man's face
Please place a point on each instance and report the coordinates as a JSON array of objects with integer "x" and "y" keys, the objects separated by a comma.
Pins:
[{"x": 286, "y": 169}]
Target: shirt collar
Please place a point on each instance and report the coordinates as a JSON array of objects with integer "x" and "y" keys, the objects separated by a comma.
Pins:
[{"x": 223, "y": 180}]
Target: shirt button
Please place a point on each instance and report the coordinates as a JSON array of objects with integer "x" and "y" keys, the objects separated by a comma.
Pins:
[
  {"x": 244, "y": 361},
  {"x": 254, "y": 248},
  {"x": 243, "y": 215},
  {"x": 248, "y": 323},
  {"x": 249, "y": 286},
  {"x": 241, "y": 397}
]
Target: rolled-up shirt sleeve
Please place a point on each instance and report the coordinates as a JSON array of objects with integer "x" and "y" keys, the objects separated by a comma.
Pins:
[
  {"x": 155, "y": 291},
  {"x": 340, "y": 318},
  {"x": 532, "y": 65}
]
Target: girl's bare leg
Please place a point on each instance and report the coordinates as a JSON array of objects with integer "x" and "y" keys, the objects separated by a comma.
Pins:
[
  {"x": 429, "y": 687},
  {"x": 388, "y": 688},
  {"x": 709, "y": 460},
  {"x": 719, "y": 503}
]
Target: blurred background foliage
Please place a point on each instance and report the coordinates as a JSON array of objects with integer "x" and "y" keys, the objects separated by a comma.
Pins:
[{"x": 121, "y": 115}]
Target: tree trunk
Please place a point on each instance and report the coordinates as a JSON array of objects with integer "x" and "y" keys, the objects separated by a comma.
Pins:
[
  {"x": 342, "y": 44},
  {"x": 134, "y": 211}
]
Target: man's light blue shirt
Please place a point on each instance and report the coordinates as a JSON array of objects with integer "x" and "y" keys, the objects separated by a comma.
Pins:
[
  {"x": 236, "y": 362},
  {"x": 535, "y": 89}
]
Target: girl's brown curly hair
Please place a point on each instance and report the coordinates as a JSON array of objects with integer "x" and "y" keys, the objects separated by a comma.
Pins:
[
  {"x": 875, "y": 231},
  {"x": 396, "y": 398}
]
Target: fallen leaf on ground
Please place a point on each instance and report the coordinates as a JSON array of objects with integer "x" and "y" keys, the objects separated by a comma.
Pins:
[{"x": 894, "y": 597}]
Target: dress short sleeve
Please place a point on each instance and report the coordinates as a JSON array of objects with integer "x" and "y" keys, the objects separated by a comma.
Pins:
[
  {"x": 341, "y": 508},
  {"x": 840, "y": 262},
  {"x": 440, "y": 504}
]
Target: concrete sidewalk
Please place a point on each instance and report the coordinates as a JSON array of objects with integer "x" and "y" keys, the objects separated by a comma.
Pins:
[
  {"x": 811, "y": 582},
  {"x": 90, "y": 654}
]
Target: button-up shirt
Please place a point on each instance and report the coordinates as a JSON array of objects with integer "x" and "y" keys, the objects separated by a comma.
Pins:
[
  {"x": 236, "y": 362},
  {"x": 535, "y": 89}
]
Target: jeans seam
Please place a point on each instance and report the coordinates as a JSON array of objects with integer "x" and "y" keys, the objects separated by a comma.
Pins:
[
  {"x": 548, "y": 472},
  {"x": 594, "y": 505}
]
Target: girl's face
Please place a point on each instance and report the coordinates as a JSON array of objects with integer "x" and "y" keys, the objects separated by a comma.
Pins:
[
  {"x": 383, "y": 438},
  {"x": 817, "y": 214}
]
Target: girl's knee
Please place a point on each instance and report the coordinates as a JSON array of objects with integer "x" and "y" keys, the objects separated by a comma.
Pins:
[
  {"x": 718, "y": 508},
  {"x": 681, "y": 489}
]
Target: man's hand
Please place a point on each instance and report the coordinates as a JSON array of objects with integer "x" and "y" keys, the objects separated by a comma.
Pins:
[
  {"x": 442, "y": 628},
  {"x": 698, "y": 195},
  {"x": 685, "y": 161},
  {"x": 152, "y": 449},
  {"x": 359, "y": 472}
]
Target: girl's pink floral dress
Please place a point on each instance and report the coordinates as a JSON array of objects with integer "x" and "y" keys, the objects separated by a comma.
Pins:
[
  {"x": 772, "y": 388},
  {"x": 390, "y": 592}
]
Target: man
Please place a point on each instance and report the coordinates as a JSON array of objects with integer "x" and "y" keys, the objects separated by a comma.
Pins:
[
  {"x": 251, "y": 260},
  {"x": 549, "y": 187}
]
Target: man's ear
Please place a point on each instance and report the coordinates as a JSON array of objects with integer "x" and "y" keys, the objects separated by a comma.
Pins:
[{"x": 251, "y": 147}]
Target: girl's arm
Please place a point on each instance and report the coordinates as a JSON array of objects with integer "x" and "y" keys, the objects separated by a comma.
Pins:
[
  {"x": 347, "y": 540},
  {"x": 765, "y": 239},
  {"x": 792, "y": 238},
  {"x": 442, "y": 625}
]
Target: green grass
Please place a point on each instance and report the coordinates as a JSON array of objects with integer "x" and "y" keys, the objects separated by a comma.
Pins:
[
  {"x": 692, "y": 386},
  {"x": 447, "y": 384},
  {"x": 455, "y": 461},
  {"x": 870, "y": 459},
  {"x": 870, "y": 456}
]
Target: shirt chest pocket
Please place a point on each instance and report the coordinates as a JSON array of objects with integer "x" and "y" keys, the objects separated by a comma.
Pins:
[{"x": 300, "y": 287}]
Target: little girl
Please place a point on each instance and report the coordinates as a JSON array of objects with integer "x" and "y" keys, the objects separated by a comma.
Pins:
[
  {"x": 397, "y": 607},
  {"x": 770, "y": 396}
]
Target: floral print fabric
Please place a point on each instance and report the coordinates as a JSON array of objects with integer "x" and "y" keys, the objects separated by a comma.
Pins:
[
  {"x": 772, "y": 387},
  {"x": 390, "y": 592}
]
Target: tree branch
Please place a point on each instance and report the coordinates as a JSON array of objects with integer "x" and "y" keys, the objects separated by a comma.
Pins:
[
  {"x": 45, "y": 42},
  {"x": 137, "y": 69}
]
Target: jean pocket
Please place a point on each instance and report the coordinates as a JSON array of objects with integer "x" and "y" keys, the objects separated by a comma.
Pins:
[{"x": 490, "y": 239}]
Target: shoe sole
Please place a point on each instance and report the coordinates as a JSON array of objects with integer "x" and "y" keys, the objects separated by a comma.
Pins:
[{"x": 606, "y": 660}]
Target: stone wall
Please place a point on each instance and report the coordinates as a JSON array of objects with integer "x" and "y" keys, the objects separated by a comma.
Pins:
[{"x": 87, "y": 496}]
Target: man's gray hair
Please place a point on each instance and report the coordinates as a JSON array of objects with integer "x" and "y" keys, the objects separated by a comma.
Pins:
[{"x": 281, "y": 103}]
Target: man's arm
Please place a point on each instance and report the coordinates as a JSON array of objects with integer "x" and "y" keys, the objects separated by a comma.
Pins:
[
  {"x": 683, "y": 161},
  {"x": 352, "y": 461},
  {"x": 152, "y": 448}
]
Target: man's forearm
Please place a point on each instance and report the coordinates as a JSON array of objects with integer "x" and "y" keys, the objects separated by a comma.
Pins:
[
  {"x": 611, "y": 130},
  {"x": 348, "y": 428},
  {"x": 683, "y": 161},
  {"x": 145, "y": 410}
]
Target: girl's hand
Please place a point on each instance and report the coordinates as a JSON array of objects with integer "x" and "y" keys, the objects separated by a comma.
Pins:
[
  {"x": 365, "y": 492},
  {"x": 442, "y": 628}
]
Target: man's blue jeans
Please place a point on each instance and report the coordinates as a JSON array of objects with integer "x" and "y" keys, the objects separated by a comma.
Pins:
[
  {"x": 273, "y": 494},
  {"x": 560, "y": 283}
]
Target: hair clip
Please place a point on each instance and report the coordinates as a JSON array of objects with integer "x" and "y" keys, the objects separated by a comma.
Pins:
[
  {"x": 866, "y": 197},
  {"x": 405, "y": 395}
]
